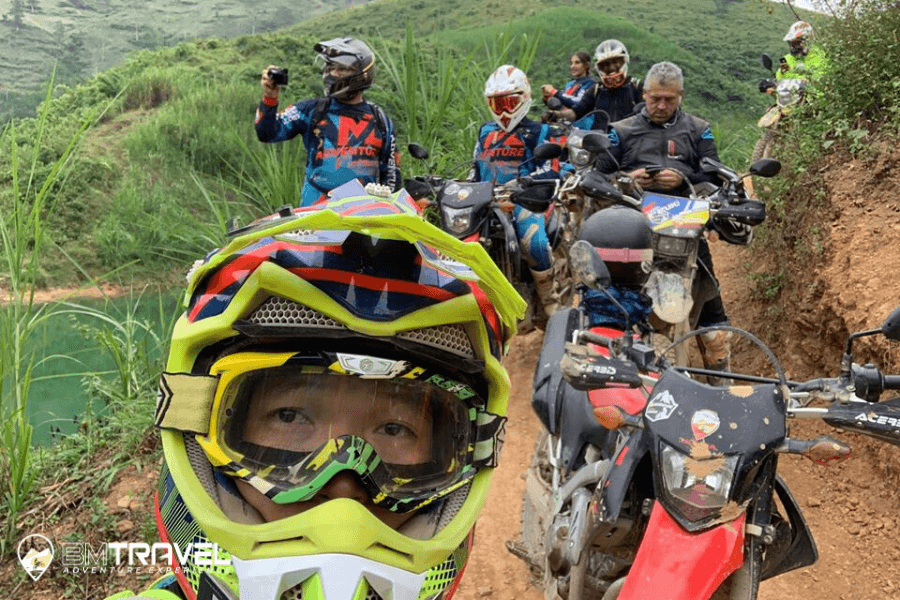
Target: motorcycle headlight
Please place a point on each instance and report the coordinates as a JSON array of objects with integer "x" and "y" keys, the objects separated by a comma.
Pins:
[
  {"x": 457, "y": 220},
  {"x": 579, "y": 157},
  {"x": 699, "y": 488},
  {"x": 672, "y": 246}
]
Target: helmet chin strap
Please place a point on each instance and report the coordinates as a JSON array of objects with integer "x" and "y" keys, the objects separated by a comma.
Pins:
[{"x": 339, "y": 574}]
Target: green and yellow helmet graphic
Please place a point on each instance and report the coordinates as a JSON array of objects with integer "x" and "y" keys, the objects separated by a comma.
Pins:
[{"x": 362, "y": 275}]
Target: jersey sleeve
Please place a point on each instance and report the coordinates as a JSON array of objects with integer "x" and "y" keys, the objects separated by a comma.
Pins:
[{"x": 275, "y": 126}]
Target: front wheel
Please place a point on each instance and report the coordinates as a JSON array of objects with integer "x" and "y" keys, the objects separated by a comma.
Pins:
[
  {"x": 743, "y": 584},
  {"x": 764, "y": 146}
]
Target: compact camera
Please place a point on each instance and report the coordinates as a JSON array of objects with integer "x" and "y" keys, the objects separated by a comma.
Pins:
[{"x": 278, "y": 76}]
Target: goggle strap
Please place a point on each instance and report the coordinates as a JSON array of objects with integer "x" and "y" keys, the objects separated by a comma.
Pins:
[
  {"x": 184, "y": 402},
  {"x": 490, "y": 432}
]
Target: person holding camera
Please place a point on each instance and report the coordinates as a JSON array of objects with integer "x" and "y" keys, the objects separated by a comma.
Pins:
[{"x": 346, "y": 137}]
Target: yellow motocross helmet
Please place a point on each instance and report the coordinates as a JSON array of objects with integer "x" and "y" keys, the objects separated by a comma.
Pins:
[{"x": 354, "y": 298}]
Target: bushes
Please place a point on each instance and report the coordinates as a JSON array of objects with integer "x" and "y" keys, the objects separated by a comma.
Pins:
[{"x": 863, "y": 76}]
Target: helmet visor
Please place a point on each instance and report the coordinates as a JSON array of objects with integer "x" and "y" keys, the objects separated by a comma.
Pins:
[
  {"x": 504, "y": 104},
  {"x": 405, "y": 430}
]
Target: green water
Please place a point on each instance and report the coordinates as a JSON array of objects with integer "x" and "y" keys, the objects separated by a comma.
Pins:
[{"x": 66, "y": 353}]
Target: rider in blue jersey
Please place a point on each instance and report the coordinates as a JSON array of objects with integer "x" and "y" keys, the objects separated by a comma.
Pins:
[
  {"x": 572, "y": 94},
  {"x": 501, "y": 152},
  {"x": 345, "y": 136}
]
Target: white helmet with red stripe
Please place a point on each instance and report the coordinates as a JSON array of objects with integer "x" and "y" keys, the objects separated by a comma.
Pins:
[{"x": 508, "y": 96}]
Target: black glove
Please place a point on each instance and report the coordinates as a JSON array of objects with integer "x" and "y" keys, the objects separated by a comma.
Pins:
[{"x": 765, "y": 84}]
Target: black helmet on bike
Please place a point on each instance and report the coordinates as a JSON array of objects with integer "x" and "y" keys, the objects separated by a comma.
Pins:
[
  {"x": 348, "y": 67},
  {"x": 622, "y": 238}
]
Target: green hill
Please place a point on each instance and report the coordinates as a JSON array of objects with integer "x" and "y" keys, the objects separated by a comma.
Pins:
[
  {"x": 80, "y": 38},
  {"x": 169, "y": 151}
]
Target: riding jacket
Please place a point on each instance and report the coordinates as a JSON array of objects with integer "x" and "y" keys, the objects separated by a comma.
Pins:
[
  {"x": 572, "y": 95},
  {"x": 343, "y": 142},
  {"x": 680, "y": 143}
]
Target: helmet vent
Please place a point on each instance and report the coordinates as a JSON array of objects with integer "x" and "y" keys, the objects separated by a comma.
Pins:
[
  {"x": 296, "y": 593},
  {"x": 287, "y": 313}
]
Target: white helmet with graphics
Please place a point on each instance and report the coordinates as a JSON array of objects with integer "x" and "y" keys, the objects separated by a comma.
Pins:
[
  {"x": 611, "y": 63},
  {"x": 799, "y": 36},
  {"x": 508, "y": 96}
]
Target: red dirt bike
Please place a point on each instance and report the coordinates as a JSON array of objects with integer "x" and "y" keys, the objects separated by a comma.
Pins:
[{"x": 665, "y": 488}]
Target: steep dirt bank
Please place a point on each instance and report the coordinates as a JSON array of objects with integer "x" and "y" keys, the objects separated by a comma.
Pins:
[{"x": 844, "y": 283}]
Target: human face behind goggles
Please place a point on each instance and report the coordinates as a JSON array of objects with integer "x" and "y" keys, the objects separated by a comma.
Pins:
[
  {"x": 286, "y": 414},
  {"x": 287, "y": 425}
]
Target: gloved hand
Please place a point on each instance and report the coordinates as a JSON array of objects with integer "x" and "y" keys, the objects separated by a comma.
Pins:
[
  {"x": 547, "y": 91},
  {"x": 765, "y": 85}
]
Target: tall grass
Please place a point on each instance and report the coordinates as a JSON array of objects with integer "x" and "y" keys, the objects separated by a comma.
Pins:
[{"x": 22, "y": 242}]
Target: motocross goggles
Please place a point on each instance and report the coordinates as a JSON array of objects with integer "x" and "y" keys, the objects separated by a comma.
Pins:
[
  {"x": 288, "y": 422},
  {"x": 507, "y": 103}
]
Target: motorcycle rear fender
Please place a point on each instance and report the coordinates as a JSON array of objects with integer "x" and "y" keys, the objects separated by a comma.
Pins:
[
  {"x": 672, "y": 564},
  {"x": 770, "y": 118}
]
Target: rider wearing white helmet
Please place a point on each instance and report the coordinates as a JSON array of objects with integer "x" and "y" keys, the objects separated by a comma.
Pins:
[
  {"x": 616, "y": 93},
  {"x": 805, "y": 60},
  {"x": 503, "y": 146}
]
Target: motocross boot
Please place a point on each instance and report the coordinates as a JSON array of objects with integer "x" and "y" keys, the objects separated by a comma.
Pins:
[
  {"x": 715, "y": 349},
  {"x": 543, "y": 282}
]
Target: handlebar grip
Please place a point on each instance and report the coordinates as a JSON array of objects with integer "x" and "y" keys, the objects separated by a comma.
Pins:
[
  {"x": 892, "y": 382},
  {"x": 594, "y": 338}
]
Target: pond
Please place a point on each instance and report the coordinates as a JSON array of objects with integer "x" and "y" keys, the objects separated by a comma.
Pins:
[{"x": 68, "y": 351}]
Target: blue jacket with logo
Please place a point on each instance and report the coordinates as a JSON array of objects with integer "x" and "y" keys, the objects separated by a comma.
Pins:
[{"x": 349, "y": 141}]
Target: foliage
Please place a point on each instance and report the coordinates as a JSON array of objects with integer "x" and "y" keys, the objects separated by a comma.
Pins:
[
  {"x": 863, "y": 81},
  {"x": 21, "y": 246}
]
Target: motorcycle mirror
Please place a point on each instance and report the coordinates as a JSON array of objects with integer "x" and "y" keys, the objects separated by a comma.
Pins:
[
  {"x": 587, "y": 266},
  {"x": 595, "y": 141},
  {"x": 766, "y": 61},
  {"x": 766, "y": 167},
  {"x": 547, "y": 151},
  {"x": 417, "y": 151},
  {"x": 553, "y": 103},
  {"x": 891, "y": 326}
]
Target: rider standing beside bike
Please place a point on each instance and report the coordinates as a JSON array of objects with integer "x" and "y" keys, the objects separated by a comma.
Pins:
[
  {"x": 346, "y": 137},
  {"x": 571, "y": 96},
  {"x": 658, "y": 148},
  {"x": 502, "y": 148}
]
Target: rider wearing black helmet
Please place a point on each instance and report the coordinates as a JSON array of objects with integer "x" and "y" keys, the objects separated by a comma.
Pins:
[{"x": 346, "y": 137}]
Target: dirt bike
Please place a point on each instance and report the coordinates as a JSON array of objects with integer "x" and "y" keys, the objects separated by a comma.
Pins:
[
  {"x": 787, "y": 94},
  {"x": 649, "y": 485},
  {"x": 586, "y": 190},
  {"x": 677, "y": 225},
  {"x": 482, "y": 212}
]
